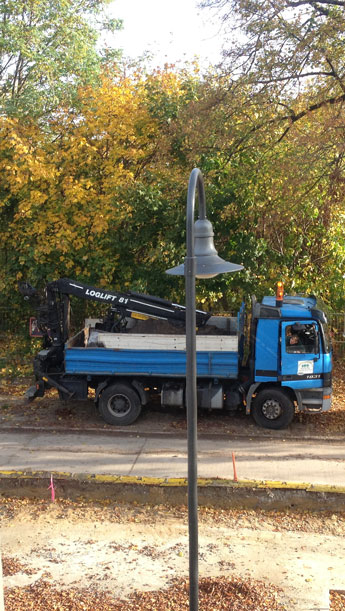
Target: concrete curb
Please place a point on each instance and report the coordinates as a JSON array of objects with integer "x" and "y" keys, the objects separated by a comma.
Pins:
[
  {"x": 117, "y": 432},
  {"x": 218, "y": 493}
]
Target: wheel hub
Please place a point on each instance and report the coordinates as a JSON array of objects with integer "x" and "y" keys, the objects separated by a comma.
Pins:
[
  {"x": 271, "y": 409},
  {"x": 119, "y": 405}
]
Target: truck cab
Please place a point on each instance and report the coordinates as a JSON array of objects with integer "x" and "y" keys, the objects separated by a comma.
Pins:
[{"x": 290, "y": 361}]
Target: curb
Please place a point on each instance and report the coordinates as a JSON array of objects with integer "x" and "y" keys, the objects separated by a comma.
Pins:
[
  {"x": 117, "y": 432},
  {"x": 217, "y": 493}
]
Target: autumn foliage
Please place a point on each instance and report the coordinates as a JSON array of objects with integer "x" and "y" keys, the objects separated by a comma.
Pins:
[
  {"x": 96, "y": 191},
  {"x": 66, "y": 188}
]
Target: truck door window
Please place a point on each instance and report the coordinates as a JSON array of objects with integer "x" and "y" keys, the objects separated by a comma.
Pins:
[{"x": 301, "y": 339}]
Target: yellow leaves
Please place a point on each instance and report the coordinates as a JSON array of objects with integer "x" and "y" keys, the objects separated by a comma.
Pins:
[
  {"x": 104, "y": 282},
  {"x": 75, "y": 191},
  {"x": 37, "y": 197},
  {"x": 99, "y": 225},
  {"x": 23, "y": 162},
  {"x": 21, "y": 149},
  {"x": 69, "y": 183}
]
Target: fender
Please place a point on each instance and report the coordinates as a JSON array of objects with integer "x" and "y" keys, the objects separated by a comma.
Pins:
[{"x": 249, "y": 396}]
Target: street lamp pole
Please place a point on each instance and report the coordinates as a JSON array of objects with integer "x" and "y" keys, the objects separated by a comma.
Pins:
[
  {"x": 196, "y": 180},
  {"x": 202, "y": 261}
]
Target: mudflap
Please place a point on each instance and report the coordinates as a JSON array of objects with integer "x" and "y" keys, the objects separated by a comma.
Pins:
[{"x": 37, "y": 390}]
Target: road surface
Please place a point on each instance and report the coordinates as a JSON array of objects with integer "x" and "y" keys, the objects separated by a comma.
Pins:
[{"x": 310, "y": 462}]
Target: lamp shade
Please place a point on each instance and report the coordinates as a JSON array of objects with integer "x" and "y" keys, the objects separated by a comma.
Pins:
[{"x": 208, "y": 263}]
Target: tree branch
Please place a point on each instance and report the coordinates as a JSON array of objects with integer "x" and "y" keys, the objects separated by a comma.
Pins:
[
  {"x": 292, "y": 77},
  {"x": 315, "y": 3},
  {"x": 335, "y": 74}
]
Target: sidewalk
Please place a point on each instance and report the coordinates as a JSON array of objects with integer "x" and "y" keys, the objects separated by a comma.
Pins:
[{"x": 280, "y": 460}]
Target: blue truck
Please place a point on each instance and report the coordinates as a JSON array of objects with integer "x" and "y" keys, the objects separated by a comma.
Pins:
[{"x": 272, "y": 361}]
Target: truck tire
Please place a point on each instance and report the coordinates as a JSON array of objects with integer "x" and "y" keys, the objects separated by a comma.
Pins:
[
  {"x": 273, "y": 409},
  {"x": 119, "y": 404}
]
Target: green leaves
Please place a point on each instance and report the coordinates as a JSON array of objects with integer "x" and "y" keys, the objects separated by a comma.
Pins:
[{"x": 47, "y": 50}]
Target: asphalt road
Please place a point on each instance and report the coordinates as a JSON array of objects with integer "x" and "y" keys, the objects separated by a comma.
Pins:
[{"x": 319, "y": 462}]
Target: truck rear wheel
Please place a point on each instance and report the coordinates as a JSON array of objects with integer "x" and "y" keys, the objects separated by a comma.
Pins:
[
  {"x": 273, "y": 409},
  {"x": 119, "y": 404}
]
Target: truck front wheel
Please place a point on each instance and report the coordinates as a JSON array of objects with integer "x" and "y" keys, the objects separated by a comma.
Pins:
[
  {"x": 273, "y": 409},
  {"x": 119, "y": 404}
]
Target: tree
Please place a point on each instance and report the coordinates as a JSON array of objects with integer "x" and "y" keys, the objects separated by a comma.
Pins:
[
  {"x": 280, "y": 49},
  {"x": 283, "y": 78},
  {"x": 99, "y": 193},
  {"x": 47, "y": 49},
  {"x": 89, "y": 200}
]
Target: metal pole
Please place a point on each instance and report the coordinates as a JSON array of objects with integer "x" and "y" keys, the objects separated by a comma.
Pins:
[{"x": 195, "y": 180}]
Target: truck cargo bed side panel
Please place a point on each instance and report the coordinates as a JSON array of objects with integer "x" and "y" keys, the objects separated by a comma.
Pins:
[{"x": 169, "y": 363}]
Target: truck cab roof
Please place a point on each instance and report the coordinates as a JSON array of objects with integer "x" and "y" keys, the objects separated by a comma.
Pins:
[{"x": 293, "y": 306}]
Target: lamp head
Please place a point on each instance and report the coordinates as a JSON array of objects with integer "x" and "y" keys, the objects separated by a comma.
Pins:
[{"x": 208, "y": 263}]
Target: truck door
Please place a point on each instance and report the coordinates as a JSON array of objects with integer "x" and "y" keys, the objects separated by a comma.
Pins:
[{"x": 301, "y": 361}]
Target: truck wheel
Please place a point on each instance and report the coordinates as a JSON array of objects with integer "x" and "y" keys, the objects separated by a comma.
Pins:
[
  {"x": 119, "y": 404},
  {"x": 273, "y": 409}
]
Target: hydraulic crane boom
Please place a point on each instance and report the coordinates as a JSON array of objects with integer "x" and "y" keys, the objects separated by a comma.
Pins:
[
  {"x": 54, "y": 314},
  {"x": 128, "y": 303}
]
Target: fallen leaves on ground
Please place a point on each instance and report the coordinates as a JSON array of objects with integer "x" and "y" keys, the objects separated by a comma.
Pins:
[
  {"x": 12, "y": 566},
  {"x": 337, "y": 600},
  {"x": 80, "y": 415},
  {"x": 325, "y": 522},
  {"x": 216, "y": 594}
]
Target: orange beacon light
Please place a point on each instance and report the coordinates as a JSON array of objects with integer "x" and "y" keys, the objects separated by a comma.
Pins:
[{"x": 279, "y": 294}]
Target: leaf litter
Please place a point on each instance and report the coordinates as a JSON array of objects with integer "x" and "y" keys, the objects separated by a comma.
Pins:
[
  {"x": 80, "y": 415},
  {"x": 337, "y": 600},
  {"x": 217, "y": 593}
]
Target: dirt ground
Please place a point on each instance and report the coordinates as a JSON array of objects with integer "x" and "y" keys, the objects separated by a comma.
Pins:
[
  {"x": 116, "y": 550},
  {"x": 50, "y": 412}
]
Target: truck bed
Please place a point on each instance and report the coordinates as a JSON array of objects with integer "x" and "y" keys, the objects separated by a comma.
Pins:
[{"x": 100, "y": 353}]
